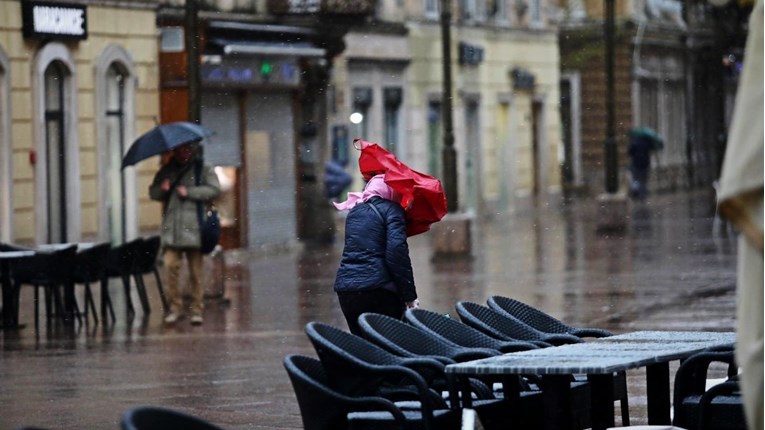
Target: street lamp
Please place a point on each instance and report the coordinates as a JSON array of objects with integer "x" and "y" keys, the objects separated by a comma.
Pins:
[
  {"x": 449, "y": 154},
  {"x": 611, "y": 155}
]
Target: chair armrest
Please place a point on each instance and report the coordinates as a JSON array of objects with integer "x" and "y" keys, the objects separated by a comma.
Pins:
[
  {"x": 591, "y": 332},
  {"x": 468, "y": 354},
  {"x": 517, "y": 346},
  {"x": 561, "y": 339}
]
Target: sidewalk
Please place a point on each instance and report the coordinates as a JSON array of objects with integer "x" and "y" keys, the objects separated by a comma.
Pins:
[{"x": 669, "y": 270}]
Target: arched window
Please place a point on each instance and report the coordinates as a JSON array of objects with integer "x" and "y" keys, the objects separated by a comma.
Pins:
[
  {"x": 56, "y": 142},
  {"x": 55, "y": 151},
  {"x": 115, "y": 146},
  {"x": 115, "y": 118}
]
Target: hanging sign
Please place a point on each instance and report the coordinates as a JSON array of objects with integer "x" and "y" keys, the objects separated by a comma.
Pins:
[{"x": 54, "y": 20}]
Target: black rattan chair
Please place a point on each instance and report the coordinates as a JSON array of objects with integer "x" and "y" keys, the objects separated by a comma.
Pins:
[
  {"x": 541, "y": 320},
  {"x": 407, "y": 340},
  {"x": 718, "y": 408},
  {"x": 357, "y": 368},
  {"x": 89, "y": 268},
  {"x": 120, "y": 263},
  {"x": 458, "y": 333},
  {"x": 50, "y": 270},
  {"x": 322, "y": 408},
  {"x": 506, "y": 327},
  {"x": 146, "y": 263},
  {"x": 156, "y": 418}
]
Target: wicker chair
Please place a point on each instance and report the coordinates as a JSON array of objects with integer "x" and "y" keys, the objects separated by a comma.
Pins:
[
  {"x": 156, "y": 418},
  {"x": 322, "y": 408},
  {"x": 407, "y": 340},
  {"x": 90, "y": 265},
  {"x": 540, "y": 320},
  {"x": 458, "y": 333},
  {"x": 506, "y": 327},
  {"x": 717, "y": 408}
]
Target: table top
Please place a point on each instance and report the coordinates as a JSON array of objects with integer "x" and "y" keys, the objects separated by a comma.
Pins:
[
  {"x": 600, "y": 356},
  {"x": 9, "y": 255}
]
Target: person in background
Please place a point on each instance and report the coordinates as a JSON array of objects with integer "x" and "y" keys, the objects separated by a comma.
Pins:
[
  {"x": 375, "y": 273},
  {"x": 175, "y": 185},
  {"x": 740, "y": 200},
  {"x": 640, "y": 165}
]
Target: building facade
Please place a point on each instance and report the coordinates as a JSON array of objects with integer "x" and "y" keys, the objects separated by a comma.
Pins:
[
  {"x": 77, "y": 83},
  {"x": 669, "y": 76},
  {"x": 505, "y": 96}
]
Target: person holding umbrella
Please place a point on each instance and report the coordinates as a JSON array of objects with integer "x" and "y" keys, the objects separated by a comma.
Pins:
[
  {"x": 643, "y": 141},
  {"x": 375, "y": 273},
  {"x": 180, "y": 185}
]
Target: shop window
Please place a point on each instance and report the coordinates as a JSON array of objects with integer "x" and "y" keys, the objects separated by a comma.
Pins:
[
  {"x": 392, "y": 99},
  {"x": 432, "y": 9},
  {"x": 435, "y": 138},
  {"x": 362, "y": 100}
]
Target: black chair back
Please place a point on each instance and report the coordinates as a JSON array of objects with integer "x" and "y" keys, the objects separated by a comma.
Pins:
[
  {"x": 90, "y": 263},
  {"x": 506, "y": 327},
  {"x": 540, "y": 320},
  {"x": 156, "y": 418},
  {"x": 454, "y": 331},
  {"x": 409, "y": 341},
  {"x": 146, "y": 255}
]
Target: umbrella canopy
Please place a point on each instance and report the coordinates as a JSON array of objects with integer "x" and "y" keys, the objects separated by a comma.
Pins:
[
  {"x": 163, "y": 138},
  {"x": 423, "y": 196},
  {"x": 647, "y": 133}
]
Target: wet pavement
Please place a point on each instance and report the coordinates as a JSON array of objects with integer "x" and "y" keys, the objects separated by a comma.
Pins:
[{"x": 672, "y": 268}]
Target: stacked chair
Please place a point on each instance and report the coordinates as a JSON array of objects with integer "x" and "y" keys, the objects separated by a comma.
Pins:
[{"x": 718, "y": 407}]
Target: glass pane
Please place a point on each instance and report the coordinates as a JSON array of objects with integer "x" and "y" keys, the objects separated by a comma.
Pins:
[
  {"x": 56, "y": 185},
  {"x": 54, "y": 81},
  {"x": 115, "y": 180},
  {"x": 114, "y": 89},
  {"x": 435, "y": 138}
]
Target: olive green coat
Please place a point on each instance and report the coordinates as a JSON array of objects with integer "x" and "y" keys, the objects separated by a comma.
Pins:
[{"x": 180, "y": 222}]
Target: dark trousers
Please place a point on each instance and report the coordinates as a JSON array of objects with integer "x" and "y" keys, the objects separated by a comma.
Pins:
[{"x": 379, "y": 301}]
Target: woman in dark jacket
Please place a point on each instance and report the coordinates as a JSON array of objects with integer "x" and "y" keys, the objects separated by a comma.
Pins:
[{"x": 375, "y": 273}]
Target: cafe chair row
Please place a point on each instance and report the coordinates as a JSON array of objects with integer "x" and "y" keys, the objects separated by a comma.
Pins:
[{"x": 58, "y": 269}]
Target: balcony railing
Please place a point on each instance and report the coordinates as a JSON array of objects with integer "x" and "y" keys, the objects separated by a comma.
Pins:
[{"x": 333, "y": 7}]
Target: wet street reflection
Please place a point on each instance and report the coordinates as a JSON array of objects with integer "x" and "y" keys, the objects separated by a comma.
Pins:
[{"x": 672, "y": 268}]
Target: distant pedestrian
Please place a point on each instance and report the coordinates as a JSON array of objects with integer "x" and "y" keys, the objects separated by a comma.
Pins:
[
  {"x": 375, "y": 273},
  {"x": 177, "y": 187},
  {"x": 643, "y": 142}
]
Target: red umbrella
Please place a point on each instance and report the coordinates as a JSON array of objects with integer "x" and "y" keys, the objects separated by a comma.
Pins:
[{"x": 422, "y": 194}]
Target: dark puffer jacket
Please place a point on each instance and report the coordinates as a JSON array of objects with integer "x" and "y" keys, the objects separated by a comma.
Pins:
[{"x": 376, "y": 254}]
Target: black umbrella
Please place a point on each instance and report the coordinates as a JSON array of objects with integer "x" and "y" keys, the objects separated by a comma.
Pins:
[{"x": 163, "y": 138}]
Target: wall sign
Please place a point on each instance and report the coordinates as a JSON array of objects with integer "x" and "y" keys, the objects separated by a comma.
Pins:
[
  {"x": 54, "y": 20},
  {"x": 252, "y": 72}
]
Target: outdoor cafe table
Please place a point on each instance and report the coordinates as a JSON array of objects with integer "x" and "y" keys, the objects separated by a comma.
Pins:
[
  {"x": 599, "y": 359},
  {"x": 9, "y": 314}
]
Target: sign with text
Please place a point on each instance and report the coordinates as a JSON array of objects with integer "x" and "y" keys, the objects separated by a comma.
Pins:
[
  {"x": 251, "y": 72},
  {"x": 54, "y": 20}
]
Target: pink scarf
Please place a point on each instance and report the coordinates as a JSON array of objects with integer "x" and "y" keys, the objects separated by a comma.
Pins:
[{"x": 375, "y": 187}]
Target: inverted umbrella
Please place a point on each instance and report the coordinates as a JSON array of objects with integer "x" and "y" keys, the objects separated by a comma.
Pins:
[
  {"x": 423, "y": 196},
  {"x": 163, "y": 138},
  {"x": 647, "y": 133}
]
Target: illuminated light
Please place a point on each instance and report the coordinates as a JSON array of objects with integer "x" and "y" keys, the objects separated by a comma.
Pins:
[
  {"x": 266, "y": 68},
  {"x": 356, "y": 118}
]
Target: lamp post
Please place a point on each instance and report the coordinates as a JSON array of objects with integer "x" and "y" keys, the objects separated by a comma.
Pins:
[
  {"x": 611, "y": 155},
  {"x": 192, "y": 60},
  {"x": 612, "y": 205},
  {"x": 449, "y": 154}
]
